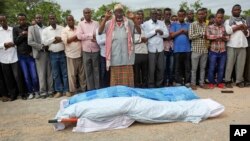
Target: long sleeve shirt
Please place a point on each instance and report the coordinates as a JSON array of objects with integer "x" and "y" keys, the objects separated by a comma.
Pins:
[
  {"x": 140, "y": 48},
  {"x": 85, "y": 32},
  {"x": 214, "y": 32},
  {"x": 197, "y": 35},
  {"x": 237, "y": 38},
  {"x": 101, "y": 40},
  {"x": 48, "y": 37},
  {"x": 9, "y": 55},
  {"x": 73, "y": 49},
  {"x": 21, "y": 40},
  {"x": 155, "y": 41}
]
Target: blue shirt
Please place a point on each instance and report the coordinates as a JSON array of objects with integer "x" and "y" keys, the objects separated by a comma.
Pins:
[{"x": 181, "y": 41}]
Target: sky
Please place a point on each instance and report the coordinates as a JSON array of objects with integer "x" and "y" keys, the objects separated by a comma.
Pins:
[{"x": 77, "y": 6}]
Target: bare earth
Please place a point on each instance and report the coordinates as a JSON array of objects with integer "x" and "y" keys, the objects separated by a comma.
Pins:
[{"x": 28, "y": 121}]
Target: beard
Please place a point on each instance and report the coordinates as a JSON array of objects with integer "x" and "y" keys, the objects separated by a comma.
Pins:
[{"x": 119, "y": 19}]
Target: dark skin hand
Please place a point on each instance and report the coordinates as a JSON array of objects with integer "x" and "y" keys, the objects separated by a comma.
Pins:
[
  {"x": 72, "y": 39},
  {"x": 144, "y": 40},
  {"x": 46, "y": 48},
  {"x": 184, "y": 31},
  {"x": 94, "y": 38},
  {"x": 8, "y": 45},
  {"x": 244, "y": 29},
  {"x": 158, "y": 31},
  {"x": 223, "y": 38},
  {"x": 108, "y": 15},
  {"x": 57, "y": 40},
  {"x": 181, "y": 31},
  {"x": 25, "y": 33}
]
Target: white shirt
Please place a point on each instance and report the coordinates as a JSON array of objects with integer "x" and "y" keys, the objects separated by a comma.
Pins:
[
  {"x": 101, "y": 40},
  {"x": 237, "y": 38},
  {"x": 48, "y": 37},
  {"x": 140, "y": 48},
  {"x": 155, "y": 43},
  {"x": 10, "y": 55}
]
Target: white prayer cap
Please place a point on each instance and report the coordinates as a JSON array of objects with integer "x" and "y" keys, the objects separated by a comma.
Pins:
[{"x": 118, "y": 6}]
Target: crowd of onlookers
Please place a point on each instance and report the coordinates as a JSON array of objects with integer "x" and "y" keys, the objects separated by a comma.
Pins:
[{"x": 123, "y": 49}]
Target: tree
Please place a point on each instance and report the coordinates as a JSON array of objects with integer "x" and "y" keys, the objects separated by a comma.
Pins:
[
  {"x": 184, "y": 5},
  {"x": 246, "y": 13},
  {"x": 31, "y": 8},
  {"x": 2, "y": 6},
  {"x": 195, "y": 6}
]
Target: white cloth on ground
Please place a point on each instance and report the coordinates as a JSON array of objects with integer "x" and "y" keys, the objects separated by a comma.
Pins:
[{"x": 138, "y": 109}]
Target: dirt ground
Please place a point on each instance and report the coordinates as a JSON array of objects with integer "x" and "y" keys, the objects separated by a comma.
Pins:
[{"x": 28, "y": 121}]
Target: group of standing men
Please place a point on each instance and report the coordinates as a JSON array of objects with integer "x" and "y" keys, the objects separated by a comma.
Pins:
[{"x": 55, "y": 60}]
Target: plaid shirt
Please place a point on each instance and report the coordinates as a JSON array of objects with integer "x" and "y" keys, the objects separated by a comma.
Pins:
[
  {"x": 213, "y": 32},
  {"x": 197, "y": 35}
]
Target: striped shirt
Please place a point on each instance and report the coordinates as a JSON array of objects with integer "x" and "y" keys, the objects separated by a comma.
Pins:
[
  {"x": 197, "y": 35},
  {"x": 214, "y": 32}
]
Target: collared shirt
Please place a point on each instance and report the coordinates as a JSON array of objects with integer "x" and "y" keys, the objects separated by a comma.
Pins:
[
  {"x": 48, "y": 36},
  {"x": 85, "y": 32},
  {"x": 140, "y": 48},
  {"x": 213, "y": 32},
  {"x": 181, "y": 41},
  {"x": 119, "y": 50},
  {"x": 155, "y": 41},
  {"x": 197, "y": 35},
  {"x": 168, "y": 43},
  {"x": 237, "y": 38},
  {"x": 21, "y": 41},
  {"x": 9, "y": 55},
  {"x": 73, "y": 49},
  {"x": 101, "y": 40}
]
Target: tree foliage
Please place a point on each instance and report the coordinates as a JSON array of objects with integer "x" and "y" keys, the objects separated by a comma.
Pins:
[
  {"x": 2, "y": 5},
  {"x": 32, "y": 7},
  {"x": 194, "y": 6},
  {"x": 246, "y": 13},
  {"x": 184, "y": 5}
]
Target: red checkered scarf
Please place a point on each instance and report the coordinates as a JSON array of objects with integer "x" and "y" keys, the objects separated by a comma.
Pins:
[{"x": 109, "y": 38}]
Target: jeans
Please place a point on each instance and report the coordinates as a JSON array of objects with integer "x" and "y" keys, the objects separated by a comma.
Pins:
[
  {"x": 59, "y": 71},
  {"x": 169, "y": 70},
  {"x": 28, "y": 67},
  {"x": 216, "y": 60}
]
